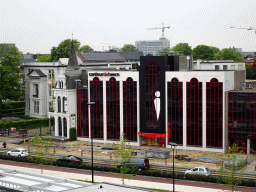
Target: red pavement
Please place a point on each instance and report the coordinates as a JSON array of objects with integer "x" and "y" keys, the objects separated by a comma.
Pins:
[{"x": 115, "y": 175}]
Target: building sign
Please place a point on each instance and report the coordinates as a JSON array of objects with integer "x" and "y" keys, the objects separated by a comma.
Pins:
[
  {"x": 104, "y": 74},
  {"x": 73, "y": 120}
]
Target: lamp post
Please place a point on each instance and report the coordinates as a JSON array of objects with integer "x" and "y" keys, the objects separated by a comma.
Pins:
[
  {"x": 89, "y": 104},
  {"x": 173, "y": 145}
]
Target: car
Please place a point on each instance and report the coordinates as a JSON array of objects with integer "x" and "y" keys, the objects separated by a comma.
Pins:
[
  {"x": 70, "y": 159},
  {"x": 198, "y": 171},
  {"x": 139, "y": 162},
  {"x": 20, "y": 152}
]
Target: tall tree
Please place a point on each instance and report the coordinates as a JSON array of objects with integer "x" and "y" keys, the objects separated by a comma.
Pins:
[
  {"x": 63, "y": 49},
  {"x": 230, "y": 54},
  {"x": 204, "y": 52},
  {"x": 85, "y": 49},
  {"x": 10, "y": 74},
  {"x": 184, "y": 48},
  {"x": 44, "y": 58},
  {"x": 129, "y": 48}
]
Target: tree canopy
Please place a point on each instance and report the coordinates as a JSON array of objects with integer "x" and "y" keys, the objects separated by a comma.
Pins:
[
  {"x": 164, "y": 51},
  {"x": 10, "y": 74},
  {"x": 204, "y": 52},
  {"x": 63, "y": 49},
  {"x": 129, "y": 48},
  {"x": 250, "y": 71},
  {"x": 85, "y": 49},
  {"x": 230, "y": 54},
  {"x": 44, "y": 58},
  {"x": 184, "y": 48}
]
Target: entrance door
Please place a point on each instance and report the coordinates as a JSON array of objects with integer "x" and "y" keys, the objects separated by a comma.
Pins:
[
  {"x": 60, "y": 126},
  {"x": 65, "y": 126}
]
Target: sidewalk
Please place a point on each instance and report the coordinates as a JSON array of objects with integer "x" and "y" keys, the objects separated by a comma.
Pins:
[{"x": 135, "y": 183}]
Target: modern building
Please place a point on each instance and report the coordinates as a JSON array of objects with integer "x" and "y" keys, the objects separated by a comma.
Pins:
[
  {"x": 153, "y": 46},
  {"x": 163, "y": 99}
]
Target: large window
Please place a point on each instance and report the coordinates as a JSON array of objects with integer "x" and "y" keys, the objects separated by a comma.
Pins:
[
  {"x": 113, "y": 109},
  {"x": 175, "y": 111},
  {"x": 194, "y": 113},
  {"x": 130, "y": 109},
  {"x": 65, "y": 126},
  {"x": 36, "y": 106},
  {"x": 214, "y": 113},
  {"x": 36, "y": 90},
  {"x": 96, "y": 112},
  {"x": 82, "y": 113}
]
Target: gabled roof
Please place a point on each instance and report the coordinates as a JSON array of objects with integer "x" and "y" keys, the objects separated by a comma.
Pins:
[
  {"x": 101, "y": 56},
  {"x": 131, "y": 55},
  {"x": 36, "y": 73}
]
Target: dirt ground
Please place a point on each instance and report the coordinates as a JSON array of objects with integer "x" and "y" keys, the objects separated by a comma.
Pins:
[{"x": 86, "y": 148}]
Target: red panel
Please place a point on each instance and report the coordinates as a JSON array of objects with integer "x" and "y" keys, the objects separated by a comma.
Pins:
[{"x": 151, "y": 134}]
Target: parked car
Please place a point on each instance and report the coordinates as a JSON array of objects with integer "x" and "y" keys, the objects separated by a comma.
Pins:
[
  {"x": 198, "y": 171},
  {"x": 70, "y": 159},
  {"x": 139, "y": 162},
  {"x": 20, "y": 152}
]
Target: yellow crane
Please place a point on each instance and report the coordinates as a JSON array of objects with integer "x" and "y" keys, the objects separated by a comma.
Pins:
[{"x": 163, "y": 27}]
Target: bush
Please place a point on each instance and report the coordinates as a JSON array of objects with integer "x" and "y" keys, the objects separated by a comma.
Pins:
[
  {"x": 72, "y": 134},
  {"x": 26, "y": 124}
]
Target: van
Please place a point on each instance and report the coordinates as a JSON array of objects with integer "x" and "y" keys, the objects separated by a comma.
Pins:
[{"x": 139, "y": 162}]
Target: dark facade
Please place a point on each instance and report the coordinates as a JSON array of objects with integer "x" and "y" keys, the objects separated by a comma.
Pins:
[{"x": 242, "y": 118}]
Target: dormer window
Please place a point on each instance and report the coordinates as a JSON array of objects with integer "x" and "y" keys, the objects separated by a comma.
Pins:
[{"x": 78, "y": 83}]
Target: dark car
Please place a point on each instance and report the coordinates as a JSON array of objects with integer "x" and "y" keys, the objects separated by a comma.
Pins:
[
  {"x": 139, "y": 162},
  {"x": 70, "y": 159}
]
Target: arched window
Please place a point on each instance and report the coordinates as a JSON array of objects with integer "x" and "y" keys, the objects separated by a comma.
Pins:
[
  {"x": 60, "y": 126},
  {"x": 59, "y": 104},
  {"x": 194, "y": 82},
  {"x": 65, "y": 126},
  {"x": 175, "y": 81},
  {"x": 214, "y": 82},
  {"x": 63, "y": 104}
]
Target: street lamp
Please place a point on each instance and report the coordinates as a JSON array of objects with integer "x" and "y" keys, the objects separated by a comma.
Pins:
[
  {"x": 89, "y": 104},
  {"x": 173, "y": 145}
]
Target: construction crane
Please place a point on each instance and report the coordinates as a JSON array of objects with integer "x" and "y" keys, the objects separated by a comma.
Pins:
[
  {"x": 163, "y": 27},
  {"x": 248, "y": 28}
]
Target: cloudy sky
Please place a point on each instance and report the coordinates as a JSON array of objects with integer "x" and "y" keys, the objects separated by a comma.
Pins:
[{"x": 37, "y": 25}]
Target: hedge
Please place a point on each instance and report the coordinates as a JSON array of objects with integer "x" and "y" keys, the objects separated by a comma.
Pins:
[
  {"x": 26, "y": 123},
  {"x": 154, "y": 173},
  {"x": 13, "y": 105},
  {"x": 72, "y": 134}
]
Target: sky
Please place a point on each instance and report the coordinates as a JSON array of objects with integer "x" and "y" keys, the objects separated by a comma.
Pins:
[{"x": 37, "y": 26}]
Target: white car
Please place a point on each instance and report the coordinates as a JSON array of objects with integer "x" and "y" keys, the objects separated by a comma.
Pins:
[
  {"x": 198, "y": 171},
  {"x": 20, "y": 152}
]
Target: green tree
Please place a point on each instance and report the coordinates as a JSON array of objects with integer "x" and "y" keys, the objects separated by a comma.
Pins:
[
  {"x": 230, "y": 54},
  {"x": 41, "y": 144},
  {"x": 44, "y": 58},
  {"x": 232, "y": 173},
  {"x": 63, "y": 49},
  {"x": 123, "y": 155},
  {"x": 184, "y": 48},
  {"x": 164, "y": 51},
  {"x": 204, "y": 52},
  {"x": 85, "y": 49},
  {"x": 129, "y": 48},
  {"x": 10, "y": 74},
  {"x": 250, "y": 70}
]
